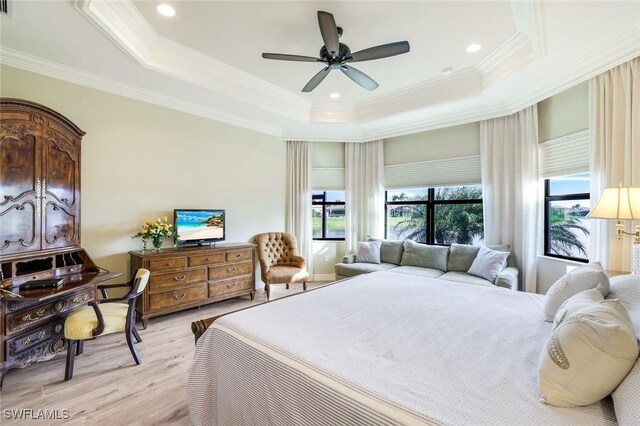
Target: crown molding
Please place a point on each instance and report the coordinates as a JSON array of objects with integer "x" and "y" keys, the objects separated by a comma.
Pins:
[
  {"x": 126, "y": 27},
  {"x": 51, "y": 69},
  {"x": 606, "y": 57},
  {"x": 528, "y": 18}
]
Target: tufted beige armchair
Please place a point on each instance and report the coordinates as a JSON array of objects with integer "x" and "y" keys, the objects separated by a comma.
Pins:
[{"x": 280, "y": 261}]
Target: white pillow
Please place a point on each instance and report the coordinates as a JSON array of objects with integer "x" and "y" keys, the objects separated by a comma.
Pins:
[
  {"x": 580, "y": 279},
  {"x": 577, "y": 302},
  {"x": 587, "y": 355},
  {"x": 626, "y": 397},
  {"x": 488, "y": 263},
  {"x": 368, "y": 252}
]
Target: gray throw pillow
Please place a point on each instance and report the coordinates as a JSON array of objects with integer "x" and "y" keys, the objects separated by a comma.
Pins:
[
  {"x": 416, "y": 254},
  {"x": 488, "y": 263},
  {"x": 461, "y": 256},
  {"x": 368, "y": 252},
  {"x": 390, "y": 250}
]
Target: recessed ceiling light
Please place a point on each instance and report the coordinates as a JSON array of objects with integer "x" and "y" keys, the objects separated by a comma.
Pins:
[
  {"x": 447, "y": 71},
  {"x": 334, "y": 95},
  {"x": 166, "y": 10},
  {"x": 474, "y": 47}
]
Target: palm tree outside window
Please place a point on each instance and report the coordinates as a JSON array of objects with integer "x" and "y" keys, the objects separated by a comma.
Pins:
[{"x": 566, "y": 205}]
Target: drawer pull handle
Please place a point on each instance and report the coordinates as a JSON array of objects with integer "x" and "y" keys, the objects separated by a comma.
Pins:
[
  {"x": 180, "y": 279},
  {"x": 167, "y": 264},
  {"x": 207, "y": 259},
  {"x": 180, "y": 297},
  {"x": 28, "y": 341},
  {"x": 238, "y": 255},
  {"x": 231, "y": 269},
  {"x": 231, "y": 285},
  {"x": 33, "y": 316}
]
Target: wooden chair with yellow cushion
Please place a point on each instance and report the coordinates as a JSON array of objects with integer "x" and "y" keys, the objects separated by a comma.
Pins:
[
  {"x": 105, "y": 316},
  {"x": 280, "y": 261}
]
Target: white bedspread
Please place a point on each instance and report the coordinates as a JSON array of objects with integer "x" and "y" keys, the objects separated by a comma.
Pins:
[{"x": 382, "y": 348}]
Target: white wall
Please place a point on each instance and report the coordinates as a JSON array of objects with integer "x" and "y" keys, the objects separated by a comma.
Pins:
[{"x": 142, "y": 161}]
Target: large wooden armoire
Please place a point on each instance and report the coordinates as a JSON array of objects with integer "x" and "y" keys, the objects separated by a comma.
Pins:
[{"x": 39, "y": 232}]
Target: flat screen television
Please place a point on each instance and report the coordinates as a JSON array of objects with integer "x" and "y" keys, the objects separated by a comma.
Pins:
[{"x": 199, "y": 226}]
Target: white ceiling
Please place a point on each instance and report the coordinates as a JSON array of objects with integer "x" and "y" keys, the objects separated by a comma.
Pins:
[{"x": 206, "y": 60}]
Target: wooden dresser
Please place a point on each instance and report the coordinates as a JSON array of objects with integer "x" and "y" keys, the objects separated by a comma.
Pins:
[
  {"x": 183, "y": 278},
  {"x": 40, "y": 232}
]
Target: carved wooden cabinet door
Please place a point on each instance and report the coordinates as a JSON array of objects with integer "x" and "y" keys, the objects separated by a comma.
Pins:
[
  {"x": 39, "y": 178},
  {"x": 20, "y": 183},
  {"x": 61, "y": 189}
]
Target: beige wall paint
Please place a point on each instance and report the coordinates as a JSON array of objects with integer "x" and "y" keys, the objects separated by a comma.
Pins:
[
  {"x": 456, "y": 141},
  {"x": 328, "y": 154},
  {"x": 564, "y": 113},
  {"x": 142, "y": 161}
]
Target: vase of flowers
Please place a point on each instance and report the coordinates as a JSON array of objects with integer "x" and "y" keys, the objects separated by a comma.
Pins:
[{"x": 154, "y": 231}]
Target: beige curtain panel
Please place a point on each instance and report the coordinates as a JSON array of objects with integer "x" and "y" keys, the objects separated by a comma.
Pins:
[{"x": 615, "y": 154}]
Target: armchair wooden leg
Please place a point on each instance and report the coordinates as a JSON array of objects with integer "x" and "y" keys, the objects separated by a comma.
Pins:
[
  {"x": 132, "y": 347},
  {"x": 71, "y": 351},
  {"x": 80, "y": 347},
  {"x": 304, "y": 286},
  {"x": 287, "y": 286},
  {"x": 136, "y": 335},
  {"x": 267, "y": 289}
]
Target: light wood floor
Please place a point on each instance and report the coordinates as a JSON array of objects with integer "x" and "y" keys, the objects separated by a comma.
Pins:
[{"x": 108, "y": 388}]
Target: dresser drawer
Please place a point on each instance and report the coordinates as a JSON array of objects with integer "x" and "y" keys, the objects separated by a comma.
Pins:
[
  {"x": 238, "y": 256},
  {"x": 169, "y": 299},
  {"x": 234, "y": 285},
  {"x": 229, "y": 271},
  {"x": 34, "y": 338},
  {"x": 166, "y": 281},
  {"x": 167, "y": 263},
  {"x": 19, "y": 320},
  {"x": 206, "y": 259}
]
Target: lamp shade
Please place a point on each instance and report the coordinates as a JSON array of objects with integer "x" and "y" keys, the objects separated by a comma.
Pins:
[{"x": 617, "y": 203}]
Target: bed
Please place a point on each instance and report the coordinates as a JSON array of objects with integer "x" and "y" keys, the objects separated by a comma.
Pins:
[{"x": 380, "y": 349}]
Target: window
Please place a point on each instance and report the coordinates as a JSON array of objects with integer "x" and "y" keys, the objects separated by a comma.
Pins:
[
  {"x": 327, "y": 215},
  {"x": 566, "y": 203},
  {"x": 435, "y": 215}
]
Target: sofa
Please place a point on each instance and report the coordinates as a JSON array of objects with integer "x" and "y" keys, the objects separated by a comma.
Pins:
[{"x": 440, "y": 262}]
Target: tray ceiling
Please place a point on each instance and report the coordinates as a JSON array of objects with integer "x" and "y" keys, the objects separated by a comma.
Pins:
[{"x": 206, "y": 60}]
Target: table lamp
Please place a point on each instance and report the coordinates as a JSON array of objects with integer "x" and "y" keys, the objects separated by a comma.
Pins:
[{"x": 621, "y": 203}]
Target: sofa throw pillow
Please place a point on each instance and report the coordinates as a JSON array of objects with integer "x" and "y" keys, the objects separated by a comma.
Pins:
[
  {"x": 577, "y": 302},
  {"x": 368, "y": 252},
  {"x": 488, "y": 263},
  {"x": 626, "y": 397},
  {"x": 390, "y": 250},
  {"x": 461, "y": 257},
  {"x": 587, "y": 355},
  {"x": 580, "y": 279},
  {"x": 425, "y": 256}
]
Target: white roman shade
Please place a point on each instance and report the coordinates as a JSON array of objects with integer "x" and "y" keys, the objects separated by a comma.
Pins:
[
  {"x": 565, "y": 155},
  {"x": 327, "y": 178},
  {"x": 445, "y": 172}
]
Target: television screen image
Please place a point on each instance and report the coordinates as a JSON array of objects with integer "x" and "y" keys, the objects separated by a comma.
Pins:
[{"x": 199, "y": 225}]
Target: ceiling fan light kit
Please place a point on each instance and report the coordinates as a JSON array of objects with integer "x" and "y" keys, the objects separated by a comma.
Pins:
[{"x": 336, "y": 55}]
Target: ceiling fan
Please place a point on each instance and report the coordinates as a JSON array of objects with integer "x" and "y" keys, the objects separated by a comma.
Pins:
[{"x": 337, "y": 55}]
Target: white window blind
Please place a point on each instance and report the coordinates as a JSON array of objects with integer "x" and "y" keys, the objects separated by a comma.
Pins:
[
  {"x": 446, "y": 172},
  {"x": 565, "y": 155},
  {"x": 327, "y": 178}
]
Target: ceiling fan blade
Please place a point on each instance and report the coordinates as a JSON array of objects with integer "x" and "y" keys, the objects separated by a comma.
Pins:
[
  {"x": 283, "y": 57},
  {"x": 359, "y": 77},
  {"x": 317, "y": 79},
  {"x": 329, "y": 31},
  {"x": 379, "y": 52}
]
